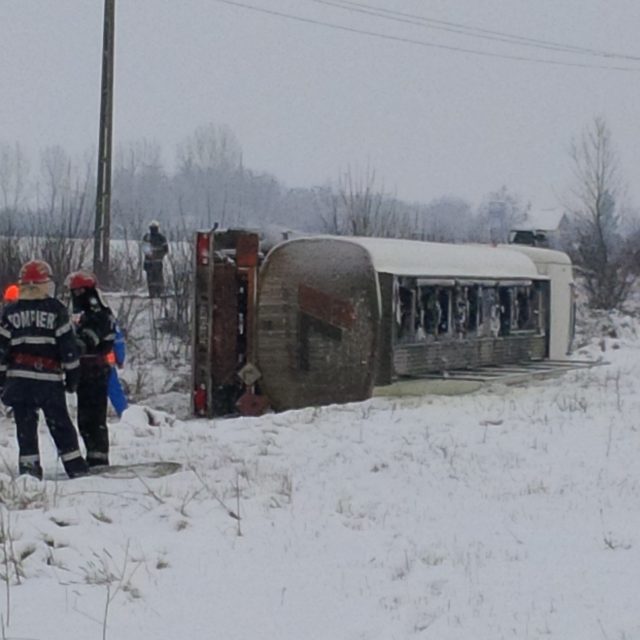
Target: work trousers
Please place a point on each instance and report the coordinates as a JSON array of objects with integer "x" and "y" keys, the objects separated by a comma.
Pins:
[
  {"x": 48, "y": 396},
  {"x": 92, "y": 413},
  {"x": 155, "y": 278}
]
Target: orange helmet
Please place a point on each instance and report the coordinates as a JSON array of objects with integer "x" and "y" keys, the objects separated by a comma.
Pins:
[
  {"x": 11, "y": 293},
  {"x": 81, "y": 280},
  {"x": 35, "y": 272}
]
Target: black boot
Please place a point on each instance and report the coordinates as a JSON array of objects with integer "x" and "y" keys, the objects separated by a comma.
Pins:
[
  {"x": 30, "y": 469},
  {"x": 76, "y": 468},
  {"x": 97, "y": 459}
]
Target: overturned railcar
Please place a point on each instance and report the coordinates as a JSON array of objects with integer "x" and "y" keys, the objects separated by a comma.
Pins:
[
  {"x": 333, "y": 318},
  {"x": 339, "y": 316}
]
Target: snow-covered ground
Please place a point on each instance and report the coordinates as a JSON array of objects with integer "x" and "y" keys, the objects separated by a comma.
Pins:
[{"x": 509, "y": 513}]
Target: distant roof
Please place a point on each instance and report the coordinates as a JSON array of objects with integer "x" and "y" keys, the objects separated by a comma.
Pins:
[
  {"x": 543, "y": 219},
  {"x": 435, "y": 259}
]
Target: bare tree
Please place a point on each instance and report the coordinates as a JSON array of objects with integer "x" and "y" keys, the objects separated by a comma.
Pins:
[
  {"x": 180, "y": 282},
  {"x": 13, "y": 252},
  {"x": 14, "y": 171},
  {"x": 59, "y": 231},
  {"x": 361, "y": 208},
  {"x": 210, "y": 147},
  {"x": 141, "y": 188},
  {"x": 446, "y": 219},
  {"x": 500, "y": 212},
  {"x": 603, "y": 253},
  {"x": 209, "y": 175}
]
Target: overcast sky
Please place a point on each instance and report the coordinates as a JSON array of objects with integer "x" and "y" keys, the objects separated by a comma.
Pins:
[{"x": 432, "y": 110}]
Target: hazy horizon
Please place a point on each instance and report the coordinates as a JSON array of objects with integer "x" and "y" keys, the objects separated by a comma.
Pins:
[{"x": 429, "y": 96}]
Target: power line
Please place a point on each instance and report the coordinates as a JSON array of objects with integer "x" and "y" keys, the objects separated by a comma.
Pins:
[
  {"x": 423, "y": 43},
  {"x": 470, "y": 31}
]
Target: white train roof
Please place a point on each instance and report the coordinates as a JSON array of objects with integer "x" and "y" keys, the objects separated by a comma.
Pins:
[
  {"x": 540, "y": 255},
  {"x": 440, "y": 260}
]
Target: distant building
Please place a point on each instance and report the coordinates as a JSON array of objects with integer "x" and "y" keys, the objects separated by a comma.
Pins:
[{"x": 542, "y": 228}]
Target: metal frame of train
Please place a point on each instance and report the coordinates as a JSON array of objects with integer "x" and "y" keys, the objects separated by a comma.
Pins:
[{"x": 326, "y": 319}]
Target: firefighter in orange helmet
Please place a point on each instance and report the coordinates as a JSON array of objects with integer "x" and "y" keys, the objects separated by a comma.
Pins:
[
  {"x": 95, "y": 332},
  {"x": 38, "y": 362},
  {"x": 11, "y": 293}
]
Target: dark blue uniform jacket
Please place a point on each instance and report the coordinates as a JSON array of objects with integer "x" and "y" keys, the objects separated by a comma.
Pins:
[{"x": 37, "y": 343}]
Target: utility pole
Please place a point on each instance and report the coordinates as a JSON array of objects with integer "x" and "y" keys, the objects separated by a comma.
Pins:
[{"x": 102, "y": 232}]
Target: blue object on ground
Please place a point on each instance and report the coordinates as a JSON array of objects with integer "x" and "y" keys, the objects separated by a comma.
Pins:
[{"x": 116, "y": 393}]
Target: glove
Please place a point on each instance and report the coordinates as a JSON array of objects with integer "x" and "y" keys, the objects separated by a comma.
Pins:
[{"x": 87, "y": 338}]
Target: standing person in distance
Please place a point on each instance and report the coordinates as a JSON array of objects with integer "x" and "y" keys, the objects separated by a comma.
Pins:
[
  {"x": 155, "y": 248},
  {"x": 38, "y": 362},
  {"x": 95, "y": 332}
]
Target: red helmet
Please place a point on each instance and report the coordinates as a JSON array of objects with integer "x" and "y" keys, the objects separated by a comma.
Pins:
[
  {"x": 81, "y": 280},
  {"x": 35, "y": 272}
]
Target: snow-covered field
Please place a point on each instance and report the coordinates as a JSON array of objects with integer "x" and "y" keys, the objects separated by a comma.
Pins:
[{"x": 513, "y": 512}]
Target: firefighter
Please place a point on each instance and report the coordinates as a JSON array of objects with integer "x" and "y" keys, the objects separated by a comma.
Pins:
[
  {"x": 11, "y": 294},
  {"x": 155, "y": 248},
  {"x": 38, "y": 362},
  {"x": 95, "y": 332}
]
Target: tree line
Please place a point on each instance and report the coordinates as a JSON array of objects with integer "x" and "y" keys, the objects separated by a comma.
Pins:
[{"x": 48, "y": 205}]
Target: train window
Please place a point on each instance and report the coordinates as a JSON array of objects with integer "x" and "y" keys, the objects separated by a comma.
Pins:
[
  {"x": 461, "y": 311},
  {"x": 444, "y": 300},
  {"x": 518, "y": 309},
  {"x": 538, "y": 302},
  {"x": 492, "y": 308},
  {"x": 572, "y": 317},
  {"x": 505, "y": 302},
  {"x": 524, "y": 318},
  {"x": 426, "y": 312},
  {"x": 406, "y": 313},
  {"x": 430, "y": 313},
  {"x": 475, "y": 308}
]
